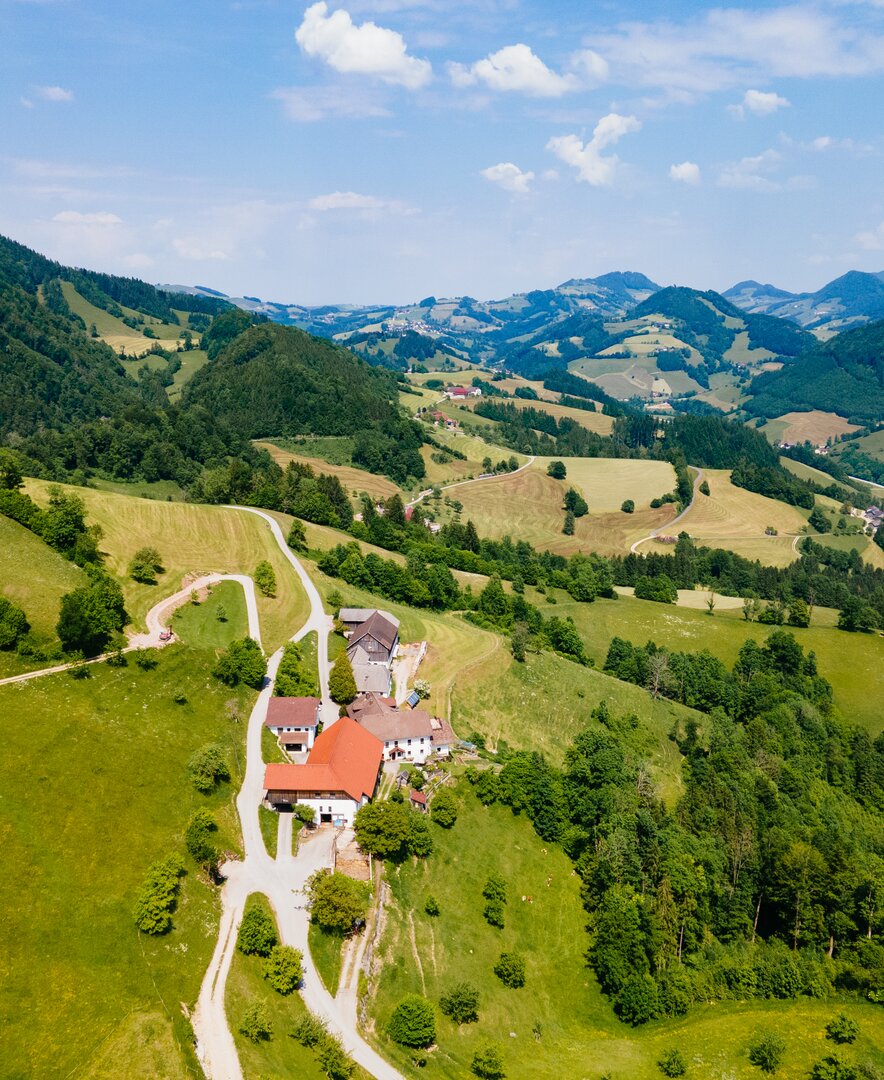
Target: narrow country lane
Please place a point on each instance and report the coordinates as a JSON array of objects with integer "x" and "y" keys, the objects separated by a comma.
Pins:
[
  {"x": 281, "y": 880},
  {"x": 698, "y": 479},
  {"x": 475, "y": 480}
]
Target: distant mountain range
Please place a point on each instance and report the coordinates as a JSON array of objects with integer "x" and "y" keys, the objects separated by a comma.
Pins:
[{"x": 851, "y": 300}]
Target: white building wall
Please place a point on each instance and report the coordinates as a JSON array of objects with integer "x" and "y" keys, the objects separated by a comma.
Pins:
[
  {"x": 419, "y": 750},
  {"x": 304, "y": 735},
  {"x": 342, "y": 811}
]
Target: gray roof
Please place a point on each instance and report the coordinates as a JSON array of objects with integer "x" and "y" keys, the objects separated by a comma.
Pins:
[
  {"x": 361, "y": 615},
  {"x": 372, "y": 678},
  {"x": 390, "y": 725},
  {"x": 380, "y": 627}
]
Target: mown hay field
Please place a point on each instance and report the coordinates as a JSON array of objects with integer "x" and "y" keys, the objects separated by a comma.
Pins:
[
  {"x": 114, "y": 332},
  {"x": 814, "y": 427}
]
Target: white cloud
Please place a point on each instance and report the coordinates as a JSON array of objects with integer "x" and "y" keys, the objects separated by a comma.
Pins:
[
  {"x": 26, "y": 103},
  {"x": 509, "y": 176},
  {"x": 593, "y": 68},
  {"x": 514, "y": 68},
  {"x": 309, "y": 104},
  {"x": 75, "y": 217},
  {"x": 353, "y": 200},
  {"x": 686, "y": 173},
  {"x": 364, "y": 49},
  {"x": 592, "y": 166},
  {"x": 57, "y": 94},
  {"x": 758, "y": 173},
  {"x": 193, "y": 251},
  {"x": 873, "y": 239},
  {"x": 758, "y": 102},
  {"x": 728, "y": 47}
]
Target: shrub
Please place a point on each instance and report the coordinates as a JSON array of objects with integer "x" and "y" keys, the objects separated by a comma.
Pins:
[
  {"x": 431, "y": 907},
  {"x": 242, "y": 662},
  {"x": 628, "y": 506},
  {"x": 91, "y": 615},
  {"x": 333, "y": 1058},
  {"x": 297, "y": 537},
  {"x": 557, "y": 470},
  {"x": 145, "y": 660},
  {"x": 341, "y": 683},
  {"x": 671, "y": 1063},
  {"x": 461, "y": 1004},
  {"x": 510, "y": 969},
  {"x": 420, "y": 843},
  {"x": 660, "y": 588},
  {"x": 207, "y": 768},
  {"x": 293, "y": 677},
  {"x": 766, "y": 1051},
  {"x": 265, "y": 578},
  {"x": 488, "y": 787},
  {"x": 13, "y": 624},
  {"x": 156, "y": 899},
  {"x": 638, "y": 1000},
  {"x": 495, "y": 889},
  {"x": 842, "y": 1029},
  {"x": 310, "y": 1030},
  {"x": 487, "y": 1063},
  {"x": 575, "y": 503},
  {"x": 337, "y": 901},
  {"x": 494, "y": 914},
  {"x": 833, "y": 1067},
  {"x": 443, "y": 808},
  {"x": 413, "y": 1022},
  {"x": 704, "y": 488},
  {"x": 198, "y": 839},
  {"x": 569, "y": 525},
  {"x": 145, "y": 565},
  {"x": 284, "y": 968},
  {"x": 256, "y": 1023},
  {"x": 383, "y": 829},
  {"x": 257, "y": 932}
]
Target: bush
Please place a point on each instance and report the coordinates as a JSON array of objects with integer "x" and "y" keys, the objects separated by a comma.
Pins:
[
  {"x": 461, "y": 1004},
  {"x": 557, "y": 470},
  {"x": 145, "y": 660},
  {"x": 256, "y": 1023},
  {"x": 661, "y": 588},
  {"x": 242, "y": 662},
  {"x": 257, "y": 932},
  {"x": 494, "y": 913},
  {"x": 13, "y": 624},
  {"x": 91, "y": 615},
  {"x": 443, "y": 808},
  {"x": 383, "y": 829},
  {"x": 157, "y": 897},
  {"x": 310, "y": 1030},
  {"x": 431, "y": 907},
  {"x": 284, "y": 968},
  {"x": 766, "y": 1051},
  {"x": 487, "y": 1063},
  {"x": 704, "y": 488},
  {"x": 145, "y": 565},
  {"x": 297, "y": 537},
  {"x": 638, "y": 1000},
  {"x": 207, "y": 768},
  {"x": 333, "y": 1058},
  {"x": 495, "y": 889},
  {"x": 510, "y": 969},
  {"x": 834, "y": 1067},
  {"x": 575, "y": 503},
  {"x": 198, "y": 839},
  {"x": 413, "y": 1022},
  {"x": 671, "y": 1063},
  {"x": 337, "y": 901},
  {"x": 293, "y": 677},
  {"x": 341, "y": 683},
  {"x": 842, "y": 1029},
  {"x": 265, "y": 578},
  {"x": 628, "y": 506},
  {"x": 420, "y": 843}
]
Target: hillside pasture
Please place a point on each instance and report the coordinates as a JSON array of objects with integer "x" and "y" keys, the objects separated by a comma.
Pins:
[
  {"x": 528, "y": 505},
  {"x": 592, "y": 421},
  {"x": 192, "y": 540},
  {"x": 740, "y": 352},
  {"x": 191, "y": 361},
  {"x": 355, "y": 480},
  {"x": 114, "y": 332},
  {"x": 815, "y": 427},
  {"x": 577, "y": 1034},
  {"x": 104, "y": 759}
]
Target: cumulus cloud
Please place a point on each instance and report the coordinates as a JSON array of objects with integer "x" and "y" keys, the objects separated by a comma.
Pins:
[
  {"x": 353, "y": 200},
  {"x": 873, "y": 239},
  {"x": 759, "y": 173},
  {"x": 56, "y": 94},
  {"x": 363, "y": 49},
  {"x": 509, "y": 176},
  {"x": 592, "y": 166},
  {"x": 309, "y": 104},
  {"x": 685, "y": 173},
  {"x": 75, "y": 217},
  {"x": 514, "y": 68},
  {"x": 759, "y": 103},
  {"x": 728, "y": 47},
  {"x": 593, "y": 69}
]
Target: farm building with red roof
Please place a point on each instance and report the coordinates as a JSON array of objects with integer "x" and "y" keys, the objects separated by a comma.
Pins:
[{"x": 340, "y": 775}]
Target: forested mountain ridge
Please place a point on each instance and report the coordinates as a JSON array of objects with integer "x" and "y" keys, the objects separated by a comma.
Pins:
[
  {"x": 844, "y": 375},
  {"x": 848, "y": 301}
]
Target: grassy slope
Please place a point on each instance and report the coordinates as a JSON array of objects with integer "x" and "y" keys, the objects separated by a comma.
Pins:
[
  {"x": 685, "y": 629},
  {"x": 115, "y": 332},
  {"x": 354, "y": 480},
  {"x": 581, "y": 1038},
  {"x": 192, "y": 539},
  {"x": 814, "y": 426},
  {"x": 191, "y": 361},
  {"x": 92, "y": 795},
  {"x": 529, "y": 505},
  {"x": 735, "y": 519},
  {"x": 199, "y": 625}
]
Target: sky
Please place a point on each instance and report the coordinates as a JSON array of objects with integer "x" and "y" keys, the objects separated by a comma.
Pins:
[{"x": 379, "y": 151}]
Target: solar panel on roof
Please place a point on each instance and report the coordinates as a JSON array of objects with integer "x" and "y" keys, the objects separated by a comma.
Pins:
[{"x": 413, "y": 699}]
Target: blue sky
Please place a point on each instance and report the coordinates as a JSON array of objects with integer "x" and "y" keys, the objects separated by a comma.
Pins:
[{"x": 382, "y": 150}]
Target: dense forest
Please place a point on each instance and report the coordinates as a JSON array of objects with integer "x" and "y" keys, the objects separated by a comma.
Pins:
[{"x": 843, "y": 375}]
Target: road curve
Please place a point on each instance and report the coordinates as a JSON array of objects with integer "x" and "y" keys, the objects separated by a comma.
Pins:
[
  {"x": 475, "y": 480},
  {"x": 698, "y": 479}
]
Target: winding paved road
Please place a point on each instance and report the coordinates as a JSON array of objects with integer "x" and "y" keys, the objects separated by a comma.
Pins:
[
  {"x": 281, "y": 880},
  {"x": 698, "y": 479},
  {"x": 475, "y": 480}
]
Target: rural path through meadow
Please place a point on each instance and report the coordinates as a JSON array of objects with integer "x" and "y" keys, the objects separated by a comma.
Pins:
[
  {"x": 698, "y": 479},
  {"x": 475, "y": 480},
  {"x": 282, "y": 880}
]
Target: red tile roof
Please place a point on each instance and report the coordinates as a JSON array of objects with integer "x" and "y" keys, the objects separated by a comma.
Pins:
[
  {"x": 418, "y": 797},
  {"x": 345, "y": 757},
  {"x": 292, "y": 712}
]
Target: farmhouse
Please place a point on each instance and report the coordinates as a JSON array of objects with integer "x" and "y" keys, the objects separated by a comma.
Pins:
[
  {"x": 293, "y": 720},
  {"x": 341, "y": 774},
  {"x": 371, "y": 649},
  {"x": 460, "y": 392},
  {"x": 407, "y": 735}
]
